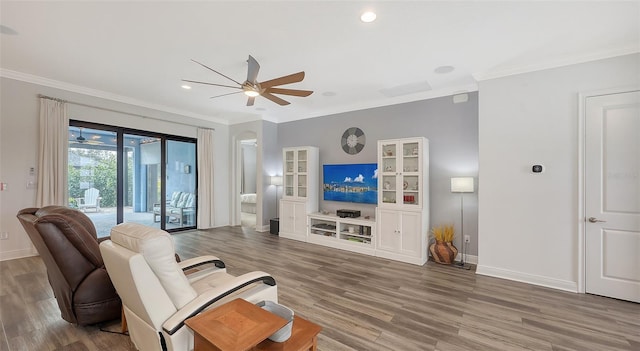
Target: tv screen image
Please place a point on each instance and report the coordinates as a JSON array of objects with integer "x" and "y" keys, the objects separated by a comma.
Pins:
[{"x": 351, "y": 183}]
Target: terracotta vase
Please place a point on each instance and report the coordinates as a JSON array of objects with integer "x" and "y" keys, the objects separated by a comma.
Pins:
[{"x": 443, "y": 252}]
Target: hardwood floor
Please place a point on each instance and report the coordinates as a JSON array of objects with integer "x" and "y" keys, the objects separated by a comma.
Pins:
[{"x": 362, "y": 303}]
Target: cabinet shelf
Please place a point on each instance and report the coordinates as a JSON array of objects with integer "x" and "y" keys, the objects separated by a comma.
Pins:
[{"x": 353, "y": 234}]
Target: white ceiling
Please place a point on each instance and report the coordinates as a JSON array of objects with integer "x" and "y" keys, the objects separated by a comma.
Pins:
[{"x": 138, "y": 52}]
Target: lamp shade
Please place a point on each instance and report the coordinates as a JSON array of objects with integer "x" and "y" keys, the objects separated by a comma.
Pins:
[
  {"x": 275, "y": 180},
  {"x": 462, "y": 184}
]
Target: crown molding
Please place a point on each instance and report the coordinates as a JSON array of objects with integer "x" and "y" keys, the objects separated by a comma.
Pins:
[
  {"x": 30, "y": 78},
  {"x": 424, "y": 95},
  {"x": 562, "y": 62}
]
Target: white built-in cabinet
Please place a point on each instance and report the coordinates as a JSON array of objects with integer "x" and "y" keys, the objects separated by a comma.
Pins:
[
  {"x": 353, "y": 234},
  {"x": 399, "y": 231},
  {"x": 300, "y": 197},
  {"x": 403, "y": 199}
]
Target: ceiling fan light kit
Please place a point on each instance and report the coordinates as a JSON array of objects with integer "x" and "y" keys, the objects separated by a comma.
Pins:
[
  {"x": 93, "y": 140},
  {"x": 252, "y": 88}
]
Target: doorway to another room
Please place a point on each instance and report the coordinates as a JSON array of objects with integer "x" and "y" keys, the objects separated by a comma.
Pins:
[{"x": 247, "y": 180}]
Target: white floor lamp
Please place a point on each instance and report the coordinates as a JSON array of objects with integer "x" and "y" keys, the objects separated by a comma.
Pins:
[
  {"x": 277, "y": 181},
  {"x": 462, "y": 185}
]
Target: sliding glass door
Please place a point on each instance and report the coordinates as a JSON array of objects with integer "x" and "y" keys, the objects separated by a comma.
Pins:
[
  {"x": 142, "y": 180},
  {"x": 93, "y": 170},
  {"x": 181, "y": 184},
  {"x": 118, "y": 175}
]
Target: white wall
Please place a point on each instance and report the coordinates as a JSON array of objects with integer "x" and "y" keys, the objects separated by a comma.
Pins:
[
  {"x": 528, "y": 223},
  {"x": 19, "y": 116}
]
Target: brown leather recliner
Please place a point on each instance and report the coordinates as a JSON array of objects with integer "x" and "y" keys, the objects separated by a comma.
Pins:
[{"x": 67, "y": 242}]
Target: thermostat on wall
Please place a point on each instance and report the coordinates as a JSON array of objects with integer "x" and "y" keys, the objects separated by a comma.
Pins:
[{"x": 537, "y": 169}]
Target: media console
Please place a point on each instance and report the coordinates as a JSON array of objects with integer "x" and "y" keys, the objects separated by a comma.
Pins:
[{"x": 352, "y": 234}]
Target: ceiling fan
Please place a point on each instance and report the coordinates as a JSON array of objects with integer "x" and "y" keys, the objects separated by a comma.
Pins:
[
  {"x": 252, "y": 88},
  {"x": 82, "y": 140}
]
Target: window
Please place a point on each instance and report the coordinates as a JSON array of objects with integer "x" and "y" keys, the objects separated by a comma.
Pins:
[{"x": 116, "y": 175}]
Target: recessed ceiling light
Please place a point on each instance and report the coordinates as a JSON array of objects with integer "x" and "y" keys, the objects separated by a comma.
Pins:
[
  {"x": 260, "y": 109},
  {"x": 329, "y": 93},
  {"x": 444, "y": 69},
  {"x": 368, "y": 16},
  {"x": 184, "y": 86}
]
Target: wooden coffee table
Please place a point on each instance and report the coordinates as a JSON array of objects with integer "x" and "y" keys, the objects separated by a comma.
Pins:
[{"x": 240, "y": 325}]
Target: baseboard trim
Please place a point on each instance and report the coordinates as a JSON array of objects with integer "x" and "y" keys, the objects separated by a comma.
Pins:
[
  {"x": 471, "y": 259},
  {"x": 262, "y": 229},
  {"x": 553, "y": 283},
  {"x": 15, "y": 254}
]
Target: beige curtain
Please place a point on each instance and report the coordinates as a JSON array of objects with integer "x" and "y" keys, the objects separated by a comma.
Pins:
[
  {"x": 205, "y": 179},
  {"x": 52, "y": 162}
]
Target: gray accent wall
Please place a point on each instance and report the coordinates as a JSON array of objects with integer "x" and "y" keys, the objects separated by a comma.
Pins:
[{"x": 452, "y": 130}]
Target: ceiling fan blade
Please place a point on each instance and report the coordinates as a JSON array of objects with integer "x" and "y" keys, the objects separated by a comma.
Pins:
[
  {"x": 293, "y": 92},
  {"x": 209, "y": 68},
  {"x": 217, "y": 85},
  {"x": 254, "y": 68},
  {"x": 275, "y": 99},
  {"x": 292, "y": 78},
  {"x": 217, "y": 96},
  {"x": 251, "y": 100}
]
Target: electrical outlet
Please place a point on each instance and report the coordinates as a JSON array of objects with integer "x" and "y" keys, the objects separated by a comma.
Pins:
[
  {"x": 467, "y": 239},
  {"x": 4, "y": 236}
]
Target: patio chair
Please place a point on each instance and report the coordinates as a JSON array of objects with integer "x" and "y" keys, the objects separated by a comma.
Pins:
[
  {"x": 181, "y": 205},
  {"x": 91, "y": 199}
]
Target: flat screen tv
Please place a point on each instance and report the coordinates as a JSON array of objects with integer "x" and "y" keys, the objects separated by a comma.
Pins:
[{"x": 351, "y": 183}]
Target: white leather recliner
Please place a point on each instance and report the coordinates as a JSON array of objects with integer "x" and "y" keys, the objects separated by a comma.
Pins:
[{"x": 157, "y": 296}]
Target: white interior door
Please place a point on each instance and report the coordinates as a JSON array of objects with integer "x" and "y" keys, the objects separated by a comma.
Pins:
[{"x": 612, "y": 195}]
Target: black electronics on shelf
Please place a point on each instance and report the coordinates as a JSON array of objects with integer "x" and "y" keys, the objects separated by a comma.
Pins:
[{"x": 348, "y": 213}]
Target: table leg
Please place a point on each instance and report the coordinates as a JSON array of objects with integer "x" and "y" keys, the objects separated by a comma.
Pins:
[{"x": 124, "y": 328}]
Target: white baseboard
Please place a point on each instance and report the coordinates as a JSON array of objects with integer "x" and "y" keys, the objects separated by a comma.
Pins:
[
  {"x": 553, "y": 283},
  {"x": 262, "y": 229},
  {"x": 12, "y": 255},
  {"x": 471, "y": 259}
]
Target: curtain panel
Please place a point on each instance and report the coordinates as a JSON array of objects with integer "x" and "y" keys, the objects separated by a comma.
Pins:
[
  {"x": 205, "y": 179},
  {"x": 53, "y": 153}
]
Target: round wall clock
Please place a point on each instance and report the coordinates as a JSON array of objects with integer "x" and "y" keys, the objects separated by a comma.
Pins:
[{"x": 353, "y": 140}]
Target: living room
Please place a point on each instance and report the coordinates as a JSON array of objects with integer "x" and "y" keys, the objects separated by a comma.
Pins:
[{"x": 523, "y": 226}]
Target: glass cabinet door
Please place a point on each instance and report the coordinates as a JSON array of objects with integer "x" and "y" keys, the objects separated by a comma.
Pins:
[
  {"x": 302, "y": 174},
  {"x": 411, "y": 173},
  {"x": 389, "y": 173},
  {"x": 289, "y": 166},
  {"x": 401, "y": 167}
]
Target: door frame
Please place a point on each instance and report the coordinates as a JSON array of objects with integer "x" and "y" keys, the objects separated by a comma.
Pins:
[
  {"x": 582, "y": 140},
  {"x": 235, "y": 178}
]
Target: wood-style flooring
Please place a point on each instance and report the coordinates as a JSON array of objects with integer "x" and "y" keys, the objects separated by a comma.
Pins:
[{"x": 362, "y": 303}]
